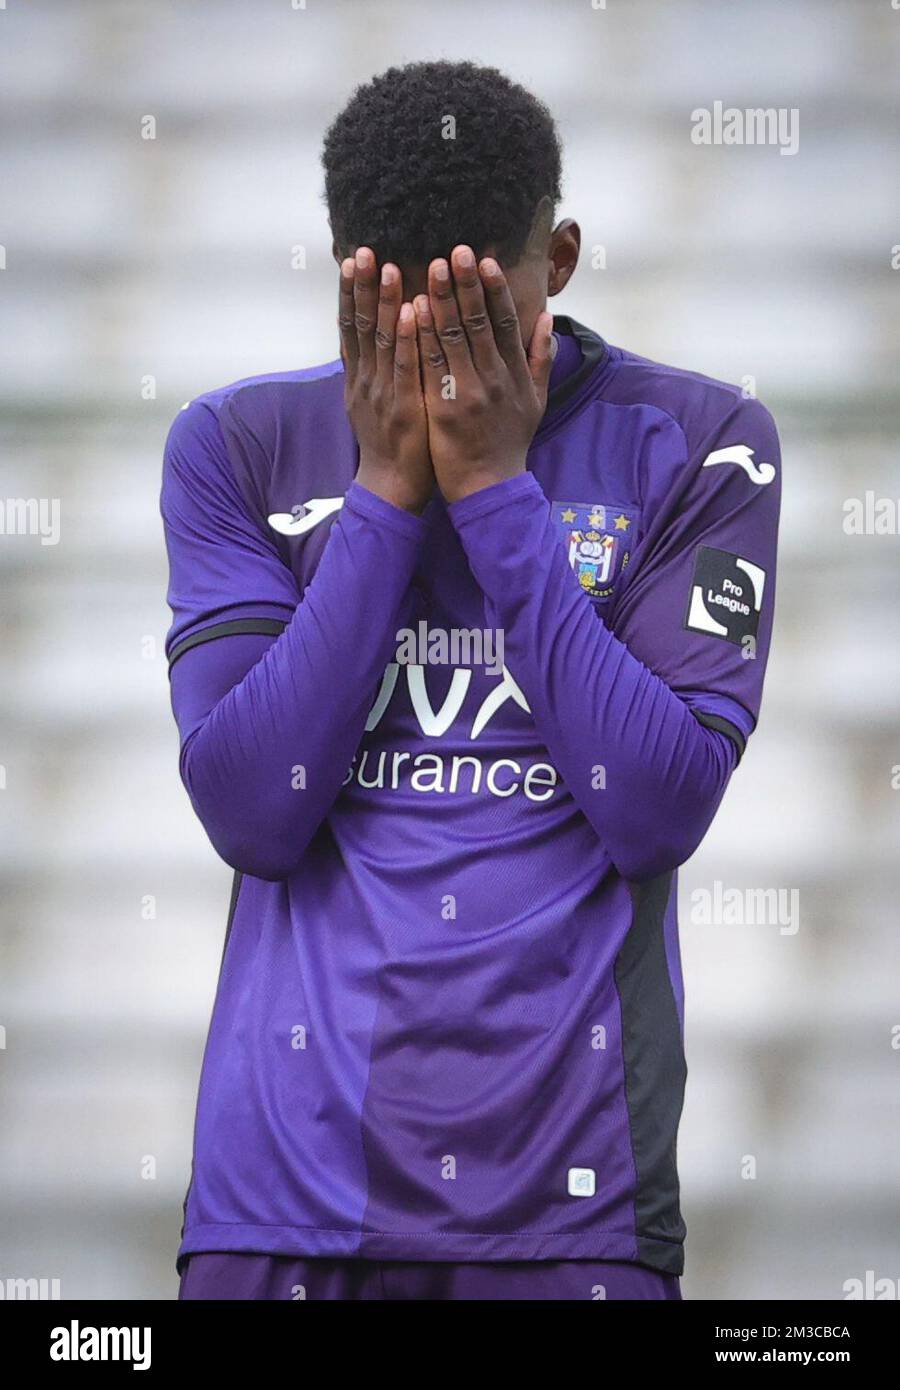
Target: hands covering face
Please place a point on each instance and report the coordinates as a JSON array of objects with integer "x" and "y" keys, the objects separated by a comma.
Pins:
[{"x": 443, "y": 389}]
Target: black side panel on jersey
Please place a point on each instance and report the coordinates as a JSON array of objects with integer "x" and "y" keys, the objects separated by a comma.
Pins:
[
  {"x": 232, "y": 908},
  {"x": 655, "y": 1074}
]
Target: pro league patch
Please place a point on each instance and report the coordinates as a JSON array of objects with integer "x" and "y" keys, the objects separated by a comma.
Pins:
[{"x": 726, "y": 595}]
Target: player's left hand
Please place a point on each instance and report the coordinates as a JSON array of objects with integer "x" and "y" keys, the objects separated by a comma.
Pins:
[{"x": 484, "y": 395}]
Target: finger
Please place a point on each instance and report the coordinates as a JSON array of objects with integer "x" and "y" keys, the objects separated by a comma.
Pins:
[
  {"x": 540, "y": 354},
  {"x": 473, "y": 309},
  {"x": 346, "y": 316},
  {"x": 431, "y": 354},
  {"x": 365, "y": 299},
  {"x": 445, "y": 313},
  {"x": 406, "y": 355},
  {"x": 503, "y": 316},
  {"x": 390, "y": 297}
]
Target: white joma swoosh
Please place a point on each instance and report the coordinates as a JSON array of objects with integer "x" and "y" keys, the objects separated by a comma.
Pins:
[
  {"x": 311, "y": 513},
  {"x": 742, "y": 455}
]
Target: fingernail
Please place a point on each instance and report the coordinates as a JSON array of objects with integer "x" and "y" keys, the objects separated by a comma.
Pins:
[
  {"x": 364, "y": 257},
  {"x": 421, "y": 305},
  {"x": 465, "y": 257},
  {"x": 441, "y": 270},
  {"x": 406, "y": 313},
  {"x": 389, "y": 274},
  {"x": 489, "y": 266}
]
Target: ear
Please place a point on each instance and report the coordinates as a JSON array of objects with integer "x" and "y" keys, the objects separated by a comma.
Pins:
[{"x": 563, "y": 252}]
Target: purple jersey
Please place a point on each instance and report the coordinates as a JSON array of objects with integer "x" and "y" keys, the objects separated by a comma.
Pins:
[{"x": 449, "y": 1019}]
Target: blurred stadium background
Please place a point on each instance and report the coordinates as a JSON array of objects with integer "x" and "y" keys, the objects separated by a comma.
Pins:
[{"x": 171, "y": 264}]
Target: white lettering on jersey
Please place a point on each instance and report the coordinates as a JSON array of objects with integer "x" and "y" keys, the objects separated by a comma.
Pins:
[
  {"x": 503, "y": 777},
  {"x": 506, "y": 690},
  {"x": 435, "y": 723}
]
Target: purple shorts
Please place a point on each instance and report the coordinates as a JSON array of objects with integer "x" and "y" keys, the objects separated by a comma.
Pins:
[{"x": 237, "y": 1276}]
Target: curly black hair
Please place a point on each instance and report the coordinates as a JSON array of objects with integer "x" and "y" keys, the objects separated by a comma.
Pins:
[{"x": 395, "y": 181}]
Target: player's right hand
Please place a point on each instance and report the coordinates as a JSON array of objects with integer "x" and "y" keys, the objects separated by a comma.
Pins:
[{"x": 383, "y": 391}]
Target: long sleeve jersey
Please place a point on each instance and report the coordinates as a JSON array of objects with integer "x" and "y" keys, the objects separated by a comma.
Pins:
[{"x": 455, "y": 761}]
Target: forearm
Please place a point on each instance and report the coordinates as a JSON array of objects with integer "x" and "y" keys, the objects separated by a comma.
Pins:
[
  {"x": 644, "y": 771},
  {"x": 264, "y": 765}
]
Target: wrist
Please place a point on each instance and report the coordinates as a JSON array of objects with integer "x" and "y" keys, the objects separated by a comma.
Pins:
[
  {"x": 477, "y": 478},
  {"x": 394, "y": 486}
]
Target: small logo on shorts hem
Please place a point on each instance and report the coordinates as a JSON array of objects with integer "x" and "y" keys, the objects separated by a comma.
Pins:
[{"x": 582, "y": 1182}]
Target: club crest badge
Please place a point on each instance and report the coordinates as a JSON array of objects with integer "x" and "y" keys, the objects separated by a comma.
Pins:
[{"x": 598, "y": 538}]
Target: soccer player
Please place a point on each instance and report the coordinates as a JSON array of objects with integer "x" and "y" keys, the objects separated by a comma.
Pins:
[{"x": 445, "y": 1058}]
